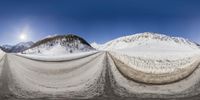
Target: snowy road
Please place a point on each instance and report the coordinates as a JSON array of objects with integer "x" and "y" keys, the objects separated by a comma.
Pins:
[{"x": 95, "y": 76}]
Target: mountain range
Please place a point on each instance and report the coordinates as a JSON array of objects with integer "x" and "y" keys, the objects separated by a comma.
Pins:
[
  {"x": 16, "y": 48},
  {"x": 70, "y": 43}
]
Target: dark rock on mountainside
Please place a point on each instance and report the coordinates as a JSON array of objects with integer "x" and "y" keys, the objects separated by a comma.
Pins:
[{"x": 69, "y": 43}]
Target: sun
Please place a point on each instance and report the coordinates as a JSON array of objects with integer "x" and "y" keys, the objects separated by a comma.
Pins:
[{"x": 23, "y": 37}]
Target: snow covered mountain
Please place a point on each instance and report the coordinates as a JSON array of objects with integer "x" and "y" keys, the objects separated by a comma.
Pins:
[
  {"x": 6, "y": 48},
  {"x": 17, "y": 48},
  {"x": 147, "y": 39},
  {"x": 96, "y": 46},
  {"x": 59, "y": 45}
]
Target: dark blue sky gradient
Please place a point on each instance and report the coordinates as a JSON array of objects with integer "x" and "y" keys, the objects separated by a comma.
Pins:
[{"x": 98, "y": 20}]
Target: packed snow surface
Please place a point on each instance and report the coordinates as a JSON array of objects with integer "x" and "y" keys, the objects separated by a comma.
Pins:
[{"x": 74, "y": 78}]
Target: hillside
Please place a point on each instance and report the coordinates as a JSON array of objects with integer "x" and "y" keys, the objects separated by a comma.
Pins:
[{"x": 60, "y": 44}]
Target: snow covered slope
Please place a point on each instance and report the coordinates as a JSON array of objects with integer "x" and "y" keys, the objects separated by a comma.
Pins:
[
  {"x": 59, "y": 45},
  {"x": 150, "y": 40},
  {"x": 151, "y": 45}
]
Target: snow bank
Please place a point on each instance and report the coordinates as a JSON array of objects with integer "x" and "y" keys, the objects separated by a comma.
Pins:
[
  {"x": 157, "y": 54},
  {"x": 155, "y": 59},
  {"x": 127, "y": 88},
  {"x": 1, "y": 54},
  {"x": 157, "y": 65},
  {"x": 62, "y": 57},
  {"x": 80, "y": 78},
  {"x": 1, "y": 60}
]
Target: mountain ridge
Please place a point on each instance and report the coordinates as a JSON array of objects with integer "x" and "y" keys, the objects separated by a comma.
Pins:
[{"x": 19, "y": 47}]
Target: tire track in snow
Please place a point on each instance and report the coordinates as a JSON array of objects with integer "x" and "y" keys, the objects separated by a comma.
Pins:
[
  {"x": 4, "y": 88},
  {"x": 91, "y": 87}
]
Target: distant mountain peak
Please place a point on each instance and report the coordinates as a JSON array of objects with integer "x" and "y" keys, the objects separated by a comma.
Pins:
[
  {"x": 17, "y": 48},
  {"x": 96, "y": 45}
]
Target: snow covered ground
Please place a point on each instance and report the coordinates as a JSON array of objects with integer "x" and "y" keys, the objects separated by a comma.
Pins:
[
  {"x": 124, "y": 87},
  {"x": 78, "y": 78},
  {"x": 154, "y": 58},
  {"x": 143, "y": 65},
  {"x": 56, "y": 50},
  {"x": 154, "y": 49},
  {"x": 156, "y": 61},
  {"x": 92, "y": 76},
  {"x": 153, "y": 53}
]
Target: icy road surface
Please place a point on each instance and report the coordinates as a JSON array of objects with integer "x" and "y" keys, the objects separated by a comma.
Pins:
[{"x": 94, "y": 76}]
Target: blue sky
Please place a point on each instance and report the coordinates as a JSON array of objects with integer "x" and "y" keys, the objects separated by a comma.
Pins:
[{"x": 97, "y": 20}]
